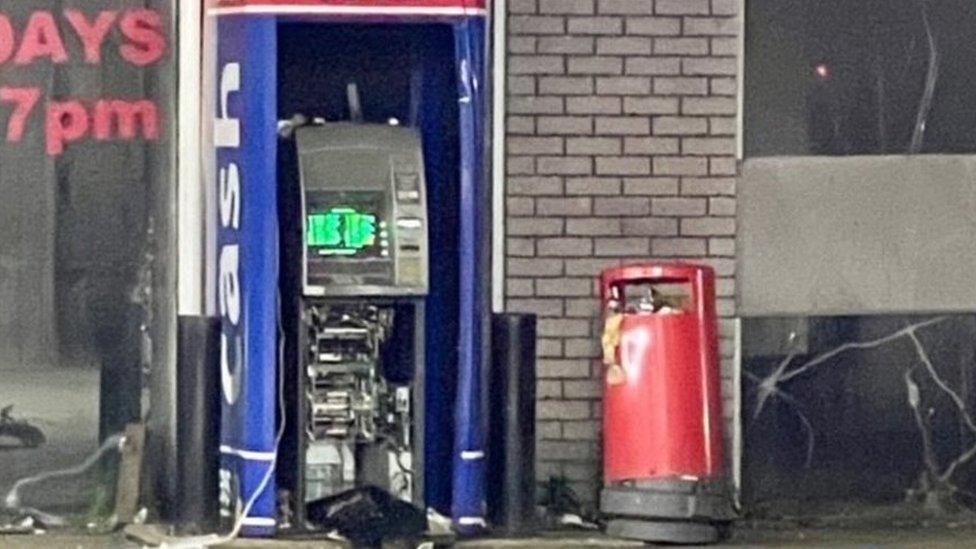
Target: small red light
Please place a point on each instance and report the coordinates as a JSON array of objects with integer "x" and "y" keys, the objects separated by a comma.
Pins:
[{"x": 823, "y": 71}]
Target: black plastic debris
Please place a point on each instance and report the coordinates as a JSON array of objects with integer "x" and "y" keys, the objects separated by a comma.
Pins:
[
  {"x": 368, "y": 516},
  {"x": 21, "y": 430}
]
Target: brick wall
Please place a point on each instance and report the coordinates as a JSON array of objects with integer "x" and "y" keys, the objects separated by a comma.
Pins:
[{"x": 621, "y": 143}]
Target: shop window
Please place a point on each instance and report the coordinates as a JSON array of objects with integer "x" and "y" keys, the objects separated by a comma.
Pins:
[{"x": 866, "y": 77}]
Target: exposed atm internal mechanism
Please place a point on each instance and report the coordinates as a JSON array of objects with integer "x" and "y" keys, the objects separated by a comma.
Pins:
[{"x": 358, "y": 375}]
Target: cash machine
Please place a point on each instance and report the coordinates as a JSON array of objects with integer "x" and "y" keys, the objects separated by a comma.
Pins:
[
  {"x": 358, "y": 390},
  {"x": 351, "y": 259}
]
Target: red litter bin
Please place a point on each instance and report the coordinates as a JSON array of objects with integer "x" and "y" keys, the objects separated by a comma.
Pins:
[{"x": 665, "y": 477}]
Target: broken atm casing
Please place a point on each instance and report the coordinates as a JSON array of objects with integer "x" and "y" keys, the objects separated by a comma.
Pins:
[{"x": 266, "y": 61}]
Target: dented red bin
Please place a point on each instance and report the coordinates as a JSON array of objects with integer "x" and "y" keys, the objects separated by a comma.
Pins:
[{"x": 664, "y": 465}]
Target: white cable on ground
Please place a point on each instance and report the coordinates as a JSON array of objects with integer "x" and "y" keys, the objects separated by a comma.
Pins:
[
  {"x": 209, "y": 540},
  {"x": 12, "y": 500}
]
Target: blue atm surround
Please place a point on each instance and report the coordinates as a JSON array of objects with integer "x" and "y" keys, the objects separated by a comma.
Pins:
[{"x": 430, "y": 75}]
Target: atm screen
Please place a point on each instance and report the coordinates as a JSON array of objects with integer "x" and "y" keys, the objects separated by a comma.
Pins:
[{"x": 347, "y": 225}]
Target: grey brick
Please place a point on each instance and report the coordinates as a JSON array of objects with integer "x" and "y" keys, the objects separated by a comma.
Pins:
[
  {"x": 564, "y": 125},
  {"x": 549, "y": 430},
  {"x": 561, "y": 409},
  {"x": 515, "y": 125},
  {"x": 595, "y": 25},
  {"x": 549, "y": 389},
  {"x": 593, "y": 105},
  {"x": 587, "y": 308},
  {"x": 678, "y": 247},
  {"x": 592, "y": 145},
  {"x": 651, "y": 185},
  {"x": 564, "y": 165},
  {"x": 623, "y": 85},
  {"x": 546, "y": 469},
  {"x": 535, "y": 64},
  {"x": 655, "y": 26},
  {"x": 564, "y": 287},
  {"x": 534, "y": 267},
  {"x": 565, "y": 247},
  {"x": 722, "y": 166},
  {"x": 564, "y": 450},
  {"x": 625, "y": 7},
  {"x": 722, "y": 247},
  {"x": 715, "y": 186},
  {"x": 567, "y": 327},
  {"x": 527, "y": 104},
  {"x": 581, "y": 471},
  {"x": 723, "y": 266},
  {"x": 681, "y": 46},
  {"x": 725, "y": 7},
  {"x": 709, "y": 65},
  {"x": 593, "y": 226},
  {"x": 522, "y": 44},
  {"x": 593, "y": 186},
  {"x": 566, "y": 44},
  {"x": 520, "y": 165},
  {"x": 681, "y": 7},
  {"x": 724, "y": 86},
  {"x": 520, "y": 247},
  {"x": 566, "y": 6},
  {"x": 676, "y": 165},
  {"x": 587, "y": 347},
  {"x": 650, "y": 145},
  {"x": 583, "y": 388},
  {"x": 708, "y": 226},
  {"x": 708, "y": 145},
  {"x": 621, "y": 246},
  {"x": 650, "y": 226},
  {"x": 522, "y": 6},
  {"x": 566, "y": 85},
  {"x": 623, "y": 45},
  {"x": 534, "y": 226},
  {"x": 725, "y": 46},
  {"x": 708, "y": 105},
  {"x": 680, "y": 125},
  {"x": 582, "y": 430},
  {"x": 679, "y": 206},
  {"x": 721, "y": 206},
  {"x": 517, "y": 205},
  {"x": 535, "y": 24},
  {"x": 676, "y": 85},
  {"x": 725, "y": 307},
  {"x": 534, "y": 186},
  {"x": 534, "y": 145},
  {"x": 586, "y": 267},
  {"x": 541, "y": 307},
  {"x": 519, "y": 85},
  {"x": 722, "y": 125},
  {"x": 653, "y": 65},
  {"x": 725, "y": 287},
  {"x": 650, "y": 105},
  {"x": 595, "y": 65},
  {"x": 622, "y": 125},
  {"x": 574, "y": 206},
  {"x": 710, "y": 26},
  {"x": 551, "y": 369},
  {"x": 623, "y": 206},
  {"x": 623, "y": 165},
  {"x": 520, "y": 287}
]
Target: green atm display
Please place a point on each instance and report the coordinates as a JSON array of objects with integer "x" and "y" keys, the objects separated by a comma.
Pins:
[{"x": 342, "y": 231}]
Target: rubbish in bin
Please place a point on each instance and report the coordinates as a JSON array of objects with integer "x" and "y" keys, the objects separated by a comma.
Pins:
[{"x": 367, "y": 516}]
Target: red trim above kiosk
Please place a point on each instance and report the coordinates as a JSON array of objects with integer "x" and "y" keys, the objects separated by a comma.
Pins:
[{"x": 353, "y": 7}]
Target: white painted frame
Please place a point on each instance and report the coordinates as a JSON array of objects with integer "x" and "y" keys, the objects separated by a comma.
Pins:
[
  {"x": 498, "y": 83},
  {"x": 191, "y": 198}
]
